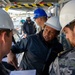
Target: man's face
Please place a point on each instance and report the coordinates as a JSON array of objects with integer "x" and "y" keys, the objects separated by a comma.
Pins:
[
  {"x": 37, "y": 20},
  {"x": 28, "y": 19},
  {"x": 70, "y": 35},
  {"x": 49, "y": 33}
]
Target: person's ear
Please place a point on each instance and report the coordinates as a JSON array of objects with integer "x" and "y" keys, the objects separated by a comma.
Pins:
[{"x": 4, "y": 37}]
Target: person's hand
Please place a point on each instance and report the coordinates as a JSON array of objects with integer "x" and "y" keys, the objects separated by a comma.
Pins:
[
  {"x": 12, "y": 59},
  {"x": 25, "y": 35}
]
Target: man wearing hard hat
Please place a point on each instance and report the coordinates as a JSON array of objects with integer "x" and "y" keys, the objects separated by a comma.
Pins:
[
  {"x": 40, "y": 17},
  {"x": 6, "y": 27},
  {"x": 36, "y": 47},
  {"x": 67, "y": 21}
]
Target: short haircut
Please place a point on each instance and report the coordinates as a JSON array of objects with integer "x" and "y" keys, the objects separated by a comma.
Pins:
[
  {"x": 5, "y": 30},
  {"x": 71, "y": 25},
  {"x": 57, "y": 32}
]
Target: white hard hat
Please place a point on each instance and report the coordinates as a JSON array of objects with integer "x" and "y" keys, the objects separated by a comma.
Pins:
[
  {"x": 54, "y": 23},
  {"x": 5, "y": 20},
  {"x": 67, "y": 13}
]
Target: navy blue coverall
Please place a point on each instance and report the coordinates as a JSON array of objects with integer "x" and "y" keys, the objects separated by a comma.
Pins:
[{"x": 35, "y": 50}]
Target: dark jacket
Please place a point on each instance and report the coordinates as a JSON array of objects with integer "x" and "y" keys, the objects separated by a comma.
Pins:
[
  {"x": 3, "y": 70},
  {"x": 35, "y": 50},
  {"x": 29, "y": 28}
]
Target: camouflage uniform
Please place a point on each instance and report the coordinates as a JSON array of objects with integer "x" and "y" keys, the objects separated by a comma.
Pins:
[{"x": 64, "y": 64}]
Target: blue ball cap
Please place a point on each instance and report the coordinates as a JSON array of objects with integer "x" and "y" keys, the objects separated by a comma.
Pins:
[{"x": 39, "y": 12}]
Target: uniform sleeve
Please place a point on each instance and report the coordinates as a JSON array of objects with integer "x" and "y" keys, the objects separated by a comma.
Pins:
[{"x": 20, "y": 46}]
